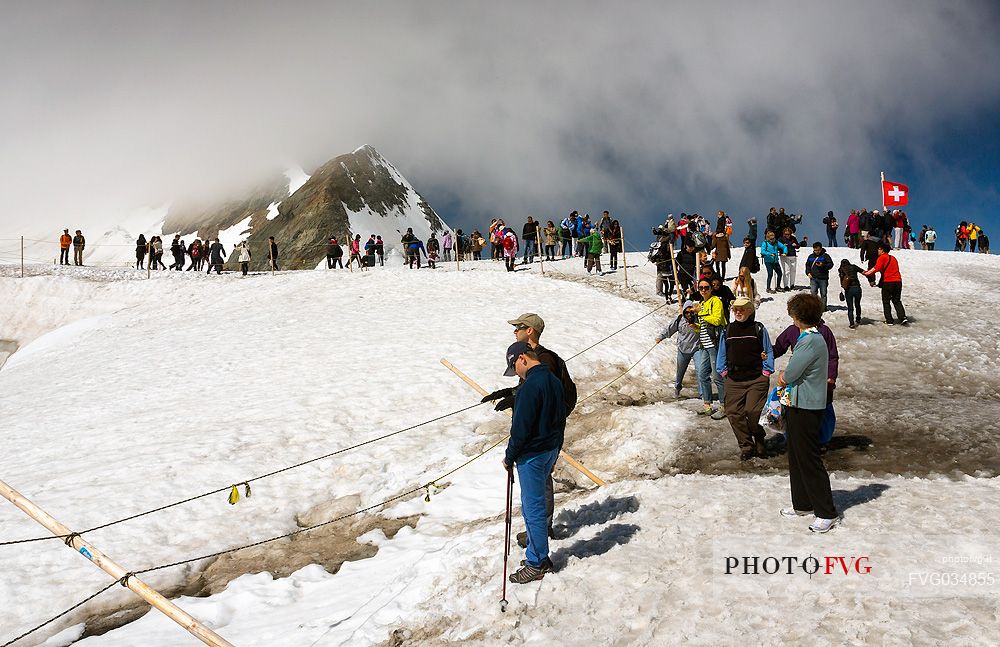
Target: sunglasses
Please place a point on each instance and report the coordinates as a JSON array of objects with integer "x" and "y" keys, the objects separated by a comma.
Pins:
[
  {"x": 704, "y": 287},
  {"x": 521, "y": 327}
]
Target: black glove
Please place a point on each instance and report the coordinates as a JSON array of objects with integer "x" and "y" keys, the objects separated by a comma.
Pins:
[
  {"x": 506, "y": 397},
  {"x": 500, "y": 393},
  {"x": 505, "y": 403}
]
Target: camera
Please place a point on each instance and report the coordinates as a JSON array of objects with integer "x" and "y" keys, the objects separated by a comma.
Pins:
[{"x": 658, "y": 230}]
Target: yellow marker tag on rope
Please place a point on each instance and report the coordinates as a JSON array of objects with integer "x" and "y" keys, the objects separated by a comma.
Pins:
[{"x": 234, "y": 496}]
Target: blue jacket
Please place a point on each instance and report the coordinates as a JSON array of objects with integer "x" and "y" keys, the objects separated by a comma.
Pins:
[
  {"x": 539, "y": 421},
  {"x": 722, "y": 360},
  {"x": 769, "y": 251},
  {"x": 806, "y": 372}
]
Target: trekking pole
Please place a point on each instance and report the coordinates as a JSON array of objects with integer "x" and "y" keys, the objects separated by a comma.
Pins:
[{"x": 506, "y": 538}]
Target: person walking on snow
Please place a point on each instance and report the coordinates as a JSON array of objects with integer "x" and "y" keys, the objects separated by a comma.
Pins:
[
  {"x": 684, "y": 326},
  {"x": 891, "y": 283},
  {"x": 770, "y": 250},
  {"x": 537, "y": 429},
  {"x": 509, "y": 244},
  {"x": 244, "y": 257},
  {"x": 786, "y": 341},
  {"x": 217, "y": 254},
  {"x": 355, "y": 246},
  {"x": 746, "y": 361},
  {"x": 818, "y": 266},
  {"x": 851, "y": 285},
  {"x": 334, "y": 254},
  {"x": 711, "y": 320},
  {"x": 447, "y": 242},
  {"x": 831, "y": 228}
]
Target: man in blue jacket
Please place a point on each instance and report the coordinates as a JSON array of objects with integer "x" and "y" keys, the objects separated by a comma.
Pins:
[
  {"x": 818, "y": 267},
  {"x": 536, "y": 436}
]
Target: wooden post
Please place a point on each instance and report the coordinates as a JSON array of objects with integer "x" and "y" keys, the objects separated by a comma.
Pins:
[
  {"x": 677, "y": 283},
  {"x": 458, "y": 257},
  {"x": 22, "y": 257},
  {"x": 116, "y": 571},
  {"x": 481, "y": 391},
  {"x": 624, "y": 260},
  {"x": 538, "y": 239},
  {"x": 149, "y": 259}
]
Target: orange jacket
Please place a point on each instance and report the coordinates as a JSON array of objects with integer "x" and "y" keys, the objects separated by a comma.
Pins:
[{"x": 65, "y": 241}]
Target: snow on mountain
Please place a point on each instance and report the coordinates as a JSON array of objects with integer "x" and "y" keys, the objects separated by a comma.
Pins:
[{"x": 119, "y": 400}]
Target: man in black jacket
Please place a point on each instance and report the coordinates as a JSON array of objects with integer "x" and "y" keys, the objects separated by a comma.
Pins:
[
  {"x": 529, "y": 235},
  {"x": 686, "y": 262},
  {"x": 818, "y": 267}
]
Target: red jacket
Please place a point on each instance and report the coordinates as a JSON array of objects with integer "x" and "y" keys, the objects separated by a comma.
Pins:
[{"x": 889, "y": 267}]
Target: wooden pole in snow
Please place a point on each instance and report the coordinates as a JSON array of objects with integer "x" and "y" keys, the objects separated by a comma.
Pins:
[
  {"x": 116, "y": 571},
  {"x": 22, "y": 257},
  {"x": 481, "y": 391},
  {"x": 538, "y": 240},
  {"x": 621, "y": 238},
  {"x": 677, "y": 283}
]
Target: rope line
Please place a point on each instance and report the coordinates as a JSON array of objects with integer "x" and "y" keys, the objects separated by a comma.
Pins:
[
  {"x": 54, "y": 618},
  {"x": 402, "y": 495},
  {"x": 68, "y": 538},
  {"x": 651, "y": 312}
]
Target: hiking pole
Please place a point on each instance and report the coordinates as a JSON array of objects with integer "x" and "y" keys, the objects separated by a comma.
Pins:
[{"x": 506, "y": 538}]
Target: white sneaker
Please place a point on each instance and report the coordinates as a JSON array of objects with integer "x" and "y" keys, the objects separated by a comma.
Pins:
[
  {"x": 823, "y": 525},
  {"x": 792, "y": 513}
]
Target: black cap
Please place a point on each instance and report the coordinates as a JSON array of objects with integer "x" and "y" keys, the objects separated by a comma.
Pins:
[{"x": 514, "y": 351}]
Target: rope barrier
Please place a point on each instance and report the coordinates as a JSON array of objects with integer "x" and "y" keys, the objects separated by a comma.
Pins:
[
  {"x": 227, "y": 488},
  {"x": 54, "y": 618}
]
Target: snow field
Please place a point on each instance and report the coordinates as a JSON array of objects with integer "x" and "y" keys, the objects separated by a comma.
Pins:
[{"x": 642, "y": 562}]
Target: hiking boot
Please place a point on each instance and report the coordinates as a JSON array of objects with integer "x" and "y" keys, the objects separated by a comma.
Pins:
[
  {"x": 905, "y": 322},
  {"x": 525, "y": 574},
  {"x": 677, "y": 394},
  {"x": 707, "y": 410},
  {"x": 720, "y": 414},
  {"x": 760, "y": 449},
  {"x": 546, "y": 566},
  {"x": 823, "y": 525},
  {"x": 853, "y": 326},
  {"x": 747, "y": 454},
  {"x": 792, "y": 513},
  {"x": 890, "y": 323}
]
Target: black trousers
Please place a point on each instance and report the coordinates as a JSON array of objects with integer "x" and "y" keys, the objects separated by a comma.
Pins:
[
  {"x": 64, "y": 256},
  {"x": 891, "y": 293},
  {"x": 807, "y": 475},
  {"x": 244, "y": 266}
]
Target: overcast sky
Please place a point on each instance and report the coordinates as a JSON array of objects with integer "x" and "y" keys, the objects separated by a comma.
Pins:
[{"x": 504, "y": 108}]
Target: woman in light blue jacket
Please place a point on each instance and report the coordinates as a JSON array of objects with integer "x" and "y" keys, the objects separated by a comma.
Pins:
[
  {"x": 804, "y": 379},
  {"x": 769, "y": 251}
]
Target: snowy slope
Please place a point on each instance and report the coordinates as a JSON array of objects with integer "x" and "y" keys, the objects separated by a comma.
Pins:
[{"x": 108, "y": 413}]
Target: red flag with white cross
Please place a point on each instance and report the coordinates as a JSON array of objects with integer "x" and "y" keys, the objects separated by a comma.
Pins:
[{"x": 894, "y": 194}]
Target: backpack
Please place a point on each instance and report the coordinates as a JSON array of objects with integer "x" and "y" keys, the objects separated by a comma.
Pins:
[
  {"x": 699, "y": 240},
  {"x": 558, "y": 367},
  {"x": 659, "y": 252},
  {"x": 195, "y": 251}
]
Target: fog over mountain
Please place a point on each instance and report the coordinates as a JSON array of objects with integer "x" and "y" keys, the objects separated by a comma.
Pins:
[{"x": 495, "y": 109}]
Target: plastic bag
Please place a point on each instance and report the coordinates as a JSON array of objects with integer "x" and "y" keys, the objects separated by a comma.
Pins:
[{"x": 772, "y": 418}]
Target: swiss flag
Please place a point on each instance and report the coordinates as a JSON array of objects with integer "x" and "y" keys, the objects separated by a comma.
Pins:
[{"x": 894, "y": 194}]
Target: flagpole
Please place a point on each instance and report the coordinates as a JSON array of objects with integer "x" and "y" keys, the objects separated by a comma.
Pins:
[{"x": 883, "y": 193}]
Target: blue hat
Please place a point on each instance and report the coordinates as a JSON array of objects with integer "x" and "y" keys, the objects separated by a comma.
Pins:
[{"x": 515, "y": 350}]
